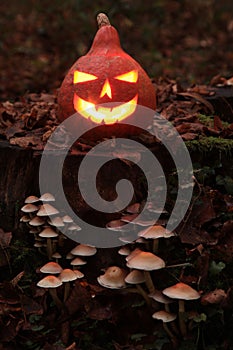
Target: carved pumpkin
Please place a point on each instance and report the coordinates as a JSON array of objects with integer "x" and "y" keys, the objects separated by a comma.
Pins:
[{"x": 106, "y": 74}]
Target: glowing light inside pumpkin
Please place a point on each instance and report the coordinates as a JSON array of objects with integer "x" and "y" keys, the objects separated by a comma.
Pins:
[
  {"x": 99, "y": 114},
  {"x": 81, "y": 77},
  {"x": 106, "y": 90},
  {"x": 130, "y": 77}
]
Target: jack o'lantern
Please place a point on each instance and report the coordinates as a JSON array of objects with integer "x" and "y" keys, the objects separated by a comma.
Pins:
[{"x": 106, "y": 75}]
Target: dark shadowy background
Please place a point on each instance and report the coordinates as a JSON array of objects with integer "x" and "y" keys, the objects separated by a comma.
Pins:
[{"x": 187, "y": 40}]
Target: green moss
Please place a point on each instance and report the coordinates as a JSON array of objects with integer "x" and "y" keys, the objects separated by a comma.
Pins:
[
  {"x": 208, "y": 120},
  {"x": 211, "y": 143}
]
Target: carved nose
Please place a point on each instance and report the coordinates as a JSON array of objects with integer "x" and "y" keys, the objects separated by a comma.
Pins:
[{"x": 106, "y": 90}]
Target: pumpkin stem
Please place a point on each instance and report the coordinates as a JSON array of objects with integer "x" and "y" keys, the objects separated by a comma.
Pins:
[{"x": 102, "y": 20}]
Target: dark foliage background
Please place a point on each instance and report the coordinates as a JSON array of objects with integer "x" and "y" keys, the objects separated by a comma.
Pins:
[{"x": 189, "y": 41}]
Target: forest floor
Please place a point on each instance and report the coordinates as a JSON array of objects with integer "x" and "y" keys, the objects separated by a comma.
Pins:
[{"x": 187, "y": 50}]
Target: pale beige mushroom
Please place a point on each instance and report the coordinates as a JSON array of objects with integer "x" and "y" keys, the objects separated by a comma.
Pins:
[
  {"x": 47, "y": 197},
  {"x": 51, "y": 283},
  {"x": 48, "y": 233},
  {"x": 67, "y": 276},
  {"x": 51, "y": 268},
  {"x": 155, "y": 232},
  {"x": 83, "y": 250},
  {"x": 182, "y": 292},
  {"x": 145, "y": 261},
  {"x": 47, "y": 210},
  {"x": 113, "y": 278},
  {"x": 166, "y": 317}
]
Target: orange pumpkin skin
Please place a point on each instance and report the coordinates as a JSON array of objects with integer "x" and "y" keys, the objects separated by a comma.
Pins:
[{"x": 105, "y": 66}]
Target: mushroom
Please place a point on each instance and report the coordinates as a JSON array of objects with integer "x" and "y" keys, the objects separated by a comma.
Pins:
[
  {"x": 134, "y": 208},
  {"x": 137, "y": 277},
  {"x": 182, "y": 292},
  {"x": 29, "y": 209},
  {"x": 116, "y": 225},
  {"x": 48, "y": 233},
  {"x": 52, "y": 282},
  {"x": 113, "y": 278},
  {"x": 124, "y": 251},
  {"x": 67, "y": 276},
  {"x": 56, "y": 221},
  {"x": 47, "y": 197},
  {"x": 166, "y": 317},
  {"x": 77, "y": 262},
  {"x": 51, "y": 268},
  {"x": 56, "y": 256},
  {"x": 36, "y": 221},
  {"x": 31, "y": 199},
  {"x": 67, "y": 219},
  {"x": 155, "y": 232},
  {"x": 83, "y": 250},
  {"x": 145, "y": 261},
  {"x": 47, "y": 210},
  {"x": 25, "y": 218}
]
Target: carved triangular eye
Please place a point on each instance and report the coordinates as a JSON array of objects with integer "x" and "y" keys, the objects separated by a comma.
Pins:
[
  {"x": 130, "y": 77},
  {"x": 81, "y": 77}
]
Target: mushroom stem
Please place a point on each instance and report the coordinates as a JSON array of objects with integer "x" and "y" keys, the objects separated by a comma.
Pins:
[
  {"x": 170, "y": 334},
  {"x": 182, "y": 324},
  {"x": 149, "y": 282},
  {"x": 155, "y": 246},
  {"x": 66, "y": 290},
  {"x": 57, "y": 301},
  {"x": 49, "y": 248},
  {"x": 173, "y": 323},
  {"x": 143, "y": 294}
]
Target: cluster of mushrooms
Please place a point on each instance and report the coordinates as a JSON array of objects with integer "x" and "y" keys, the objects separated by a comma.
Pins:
[
  {"x": 141, "y": 258},
  {"x": 44, "y": 222},
  {"x": 140, "y": 263}
]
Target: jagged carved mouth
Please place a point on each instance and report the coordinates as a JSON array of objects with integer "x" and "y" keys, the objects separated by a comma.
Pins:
[{"x": 107, "y": 115}]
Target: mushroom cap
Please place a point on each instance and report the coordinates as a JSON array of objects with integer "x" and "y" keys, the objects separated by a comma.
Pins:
[
  {"x": 78, "y": 273},
  {"x": 68, "y": 275},
  {"x": 164, "y": 316},
  {"x": 49, "y": 282},
  {"x": 69, "y": 256},
  {"x": 38, "y": 245},
  {"x": 116, "y": 225},
  {"x": 57, "y": 222},
  {"x": 128, "y": 218},
  {"x": 124, "y": 251},
  {"x": 134, "y": 208},
  {"x": 47, "y": 197},
  {"x": 145, "y": 261},
  {"x": 127, "y": 239},
  {"x": 51, "y": 267},
  {"x": 31, "y": 199},
  {"x": 36, "y": 221},
  {"x": 33, "y": 230},
  {"x": 157, "y": 295},
  {"x": 78, "y": 262},
  {"x": 133, "y": 253},
  {"x": 83, "y": 250},
  {"x": 29, "y": 208},
  {"x": 67, "y": 219},
  {"x": 114, "y": 278},
  {"x": 154, "y": 232},
  {"x": 181, "y": 291},
  {"x": 25, "y": 218},
  {"x": 47, "y": 209},
  {"x": 48, "y": 232},
  {"x": 74, "y": 227},
  {"x": 56, "y": 255},
  {"x": 135, "y": 277}
]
